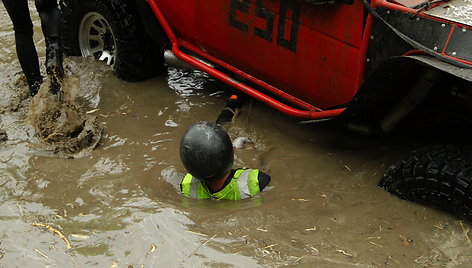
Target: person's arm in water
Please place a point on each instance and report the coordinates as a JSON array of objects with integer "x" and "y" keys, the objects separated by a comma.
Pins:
[
  {"x": 264, "y": 180},
  {"x": 233, "y": 104}
]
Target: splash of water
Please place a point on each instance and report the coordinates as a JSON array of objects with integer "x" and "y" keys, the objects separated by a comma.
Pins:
[{"x": 61, "y": 123}]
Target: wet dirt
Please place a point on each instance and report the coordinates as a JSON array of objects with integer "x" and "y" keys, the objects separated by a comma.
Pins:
[
  {"x": 119, "y": 206},
  {"x": 67, "y": 129}
]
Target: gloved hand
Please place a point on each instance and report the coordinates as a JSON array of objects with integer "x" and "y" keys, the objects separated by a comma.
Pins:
[{"x": 233, "y": 104}]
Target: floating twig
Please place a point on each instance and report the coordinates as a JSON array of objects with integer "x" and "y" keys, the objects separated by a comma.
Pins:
[
  {"x": 20, "y": 209},
  {"x": 54, "y": 230},
  {"x": 270, "y": 246},
  {"x": 344, "y": 252},
  {"x": 297, "y": 260},
  {"x": 39, "y": 251},
  {"x": 300, "y": 199},
  {"x": 201, "y": 245},
  {"x": 92, "y": 111},
  {"x": 192, "y": 232},
  {"x": 375, "y": 244},
  {"x": 153, "y": 248},
  {"x": 80, "y": 236},
  {"x": 345, "y": 166},
  {"x": 373, "y": 237},
  {"x": 8, "y": 160},
  {"x": 465, "y": 233}
]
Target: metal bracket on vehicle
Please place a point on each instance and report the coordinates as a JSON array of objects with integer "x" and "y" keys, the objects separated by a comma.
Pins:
[
  {"x": 306, "y": 110},
  {"x": 411, "y": 100},
  {"x": 172, "y": 60}
]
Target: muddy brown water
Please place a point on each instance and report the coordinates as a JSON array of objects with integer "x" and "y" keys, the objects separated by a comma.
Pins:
[{"x": 119, "y": 205}]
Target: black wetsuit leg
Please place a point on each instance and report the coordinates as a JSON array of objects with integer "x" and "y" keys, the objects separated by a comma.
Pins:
[
  {"x": 50, "y": 18},
  {"x": 25, "y": 49}
]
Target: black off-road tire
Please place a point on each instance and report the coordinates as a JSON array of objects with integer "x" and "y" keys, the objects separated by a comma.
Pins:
[
  {"x": 137, "y": 56},
  {"x": 439, "y": 176}
]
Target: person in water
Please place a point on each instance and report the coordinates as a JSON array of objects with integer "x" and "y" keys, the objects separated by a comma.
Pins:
[
  {"x": 22, "y": 25},
  {"x": 207, "y": 154}
]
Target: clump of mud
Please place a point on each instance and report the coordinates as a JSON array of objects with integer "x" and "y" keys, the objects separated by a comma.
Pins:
[
  {"x": 21, "y": 94},
  {"x": 61, "y": 123}
]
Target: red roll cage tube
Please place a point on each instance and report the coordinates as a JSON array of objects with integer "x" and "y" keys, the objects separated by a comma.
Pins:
[{"x": 309, "y": 112}]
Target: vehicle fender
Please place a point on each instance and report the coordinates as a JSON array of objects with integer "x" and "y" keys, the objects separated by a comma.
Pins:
[
  {"x": 429, "y": 36},
  {"x": 393, "y": 78},
  {"x": 463, "y": 73}
]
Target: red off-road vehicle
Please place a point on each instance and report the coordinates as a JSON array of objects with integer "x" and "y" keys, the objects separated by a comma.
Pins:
[{"x": 310, "y": 59}]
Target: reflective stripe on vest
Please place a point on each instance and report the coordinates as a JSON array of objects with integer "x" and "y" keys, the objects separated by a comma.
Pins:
[
  {"x": 193, "y": 188},
  {"x": 246, "y": 183}
]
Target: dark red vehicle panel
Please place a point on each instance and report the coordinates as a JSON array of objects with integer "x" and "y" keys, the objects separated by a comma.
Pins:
[
  {"x": 308, "y": 61},
  {"x": 311, "y": 52}
]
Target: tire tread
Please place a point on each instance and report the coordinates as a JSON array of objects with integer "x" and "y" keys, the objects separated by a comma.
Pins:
[{"x": 439, "y": 176}]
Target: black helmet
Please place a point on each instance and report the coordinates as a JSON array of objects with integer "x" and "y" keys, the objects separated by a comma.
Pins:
[{"x": 206, "y": 151}]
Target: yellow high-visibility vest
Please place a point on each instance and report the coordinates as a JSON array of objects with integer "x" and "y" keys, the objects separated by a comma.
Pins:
[{"x": 244, "y": 184}]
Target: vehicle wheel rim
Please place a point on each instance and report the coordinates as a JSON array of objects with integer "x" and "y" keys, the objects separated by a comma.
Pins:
[{"x": 96, "y": 38}]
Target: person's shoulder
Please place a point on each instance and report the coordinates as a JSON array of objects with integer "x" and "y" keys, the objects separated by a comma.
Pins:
[
  {"x": 187, "y": 178},
  {"x": 263, "y": 179}
]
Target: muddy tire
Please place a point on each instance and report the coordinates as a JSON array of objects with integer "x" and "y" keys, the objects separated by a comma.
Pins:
[
  {"x": 110, "y": 31},
  {"x": 439, "y": 176}
]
